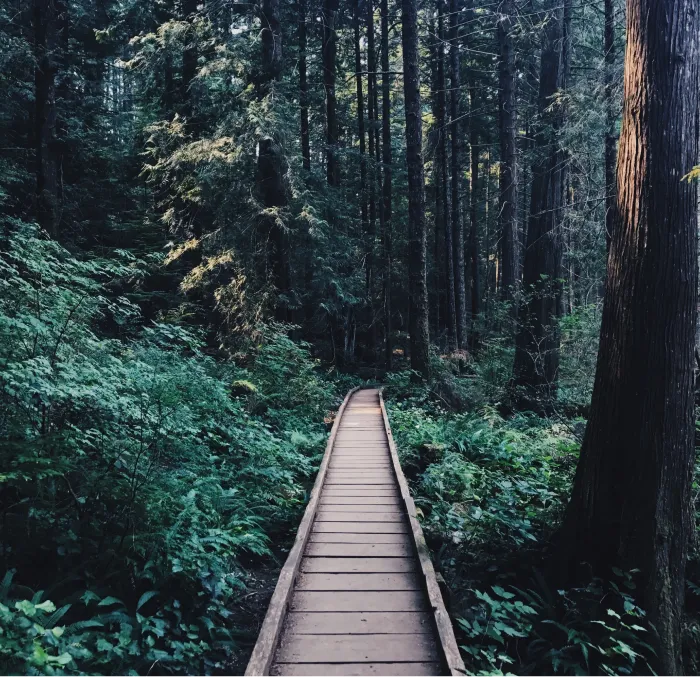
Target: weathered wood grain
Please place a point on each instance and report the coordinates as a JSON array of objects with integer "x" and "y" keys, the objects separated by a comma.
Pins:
[
  {"x": 359, "y": 623},
  {"x": 356, "y": 648},
  {"x": 393, "y": 600},
  {"x": 357, "y": 581},
  {"x": 332, "y": 669},
  {"x": 360, "y": 565}
]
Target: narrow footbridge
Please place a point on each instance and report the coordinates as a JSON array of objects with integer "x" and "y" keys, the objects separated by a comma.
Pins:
[{"x": 358, "y": 594}]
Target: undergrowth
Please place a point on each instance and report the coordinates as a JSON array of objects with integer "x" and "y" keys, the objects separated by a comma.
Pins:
[
  {"x": 140, "y": 478},
  {"x": 491, "y": 492}
]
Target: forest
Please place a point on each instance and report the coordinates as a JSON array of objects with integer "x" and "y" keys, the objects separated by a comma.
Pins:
[{"x": 217, "y": 217}]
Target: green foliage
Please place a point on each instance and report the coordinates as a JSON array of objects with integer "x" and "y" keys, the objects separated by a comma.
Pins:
[
  {"x": 487, "y": 480},
  {"x": 132, "y": 465},
  {"x": 596, "y": 629}
]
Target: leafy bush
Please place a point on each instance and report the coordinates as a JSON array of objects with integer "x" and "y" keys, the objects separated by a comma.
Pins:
[{"x": 134, "y": 470}]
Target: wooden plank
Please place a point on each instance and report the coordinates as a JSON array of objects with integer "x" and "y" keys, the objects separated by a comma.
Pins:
[
  {"x": 333, "y": 491},
  {"x": 359, "y": 516},
  {"x": 360, "y": 565},
  {"x": 261, "y": 657},
  {"x": 446, "y": 635},
  {"x": 360, "y": 500},
  {"x": 358, "y": 648},
  {"x": 350, "y": 549},
  {"x": 359, "y": 481},
  {"x": 360, "y": 507},
  {"x": 393, "y": 600},
  {"x": 362, "y": 527},
  {"x": 355, "y": 581},
  {"x": 352, "y": 669},
  {"x": 359, "y": 623},
  {"x": 360, "y": 538}
]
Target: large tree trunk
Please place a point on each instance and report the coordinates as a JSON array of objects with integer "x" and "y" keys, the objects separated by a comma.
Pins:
[
  {"x": 610, "y": 117},
  {"x": 303, "y": 89},
  {"x": 507, "y": 177},
  {"x": 270, "y": 179},
  {"x": 387, "y": 185},
  {"x": 329, "y": 10},
  {"x": 536, "y": 367},
  {"x": 631, "y": 502},
  {"x": 456, "y": 167},
  {"x": 46, "y": 27},
  {"x": 417, "y": 274},
  {"x": 441, "y": 173}
]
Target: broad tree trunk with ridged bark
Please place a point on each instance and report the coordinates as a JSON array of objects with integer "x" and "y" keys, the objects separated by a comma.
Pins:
[{"x": 631, "y": 502}]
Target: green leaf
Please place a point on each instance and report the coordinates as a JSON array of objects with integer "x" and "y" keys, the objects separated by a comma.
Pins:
[{"x": 145, "y": 597}]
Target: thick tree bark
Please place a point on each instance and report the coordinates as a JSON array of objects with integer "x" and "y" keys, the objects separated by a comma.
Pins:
[
  {"x": 303, "y": 89},
  {"x": 610, "y": 117},
  {"x": 456, "y": 168},
  {"x": 508, "y": 175},
  {"x": 387, "y": 180},
  {"x": 474, "y": 208},
  {"x": 631, "y": 502},
  {"x": 441, "y": 211},
  {"x": 46, "y": 27},
  {"x": 329, "y": 10},
  {"x": 270, "y": 178},
  {"x": 536, "y": 367},
  {"x": 417, "y": 274}
]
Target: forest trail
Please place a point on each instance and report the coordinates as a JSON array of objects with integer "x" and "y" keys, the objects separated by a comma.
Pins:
[{"x": 358, "y": 593}]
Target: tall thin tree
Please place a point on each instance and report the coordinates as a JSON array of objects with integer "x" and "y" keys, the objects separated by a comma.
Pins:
[
  {"x": 442, "y": 210},
  {"x": 329, "y": 10},
  {"x": 507, "y": 122},
  {"x": 536, "y": 367},
  {"x": 456, "y": 167},
  {"x": 387, "y": 181},
  {"x": 303, "y": 88},
  {"x": 631, "y": 502},
  {"x": 270, "y": 178},
  {"x": 417, "y": 273}
]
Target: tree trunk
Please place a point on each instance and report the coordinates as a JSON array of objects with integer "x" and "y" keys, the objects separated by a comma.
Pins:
[
  {"x": 610, "y": 116},
  {"x": 508, "y": 175},
  {"x": 536, "y": 367},
  {"x": 372, "y": 119},
  {"x": 270, "y": 179},
  {"x": 328, "y": 10},
  {"x": 631, "y": 502},
  {"x": 46, "y": 21},
  {"x": 456, "y": 167},
  {"x": 417, "y": 274},
  {"x": 474, "y": 207},
  {"x": 441, "y": 162},
  {"x": 387, "y": 185},
  {"x": 361, "y": 136},
  {"x": 303, "y": 90}
]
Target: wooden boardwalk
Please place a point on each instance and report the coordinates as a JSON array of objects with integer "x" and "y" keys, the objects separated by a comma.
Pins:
[{"x": 358, "y": 595}]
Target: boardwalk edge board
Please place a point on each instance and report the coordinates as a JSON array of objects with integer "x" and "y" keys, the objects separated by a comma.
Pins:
[
  {"x": 261, "y": 658},
  {"x": 446, "y": 634}
]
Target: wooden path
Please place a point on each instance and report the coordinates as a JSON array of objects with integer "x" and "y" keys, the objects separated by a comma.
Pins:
[{"x": 358, "y": 595}]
